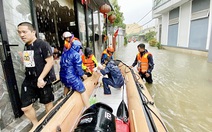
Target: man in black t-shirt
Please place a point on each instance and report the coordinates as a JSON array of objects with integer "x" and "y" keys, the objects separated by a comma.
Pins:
[{"x": 39, "y": 72}]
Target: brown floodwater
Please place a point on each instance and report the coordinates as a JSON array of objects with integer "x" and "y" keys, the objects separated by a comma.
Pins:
[{"x": 182, "y": 87}]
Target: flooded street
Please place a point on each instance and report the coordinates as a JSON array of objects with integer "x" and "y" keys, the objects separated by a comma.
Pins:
[{"x": 181, "y": 89}]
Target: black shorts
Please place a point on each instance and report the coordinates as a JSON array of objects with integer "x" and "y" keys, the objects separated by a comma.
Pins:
[{"x": 30, "y": 93}]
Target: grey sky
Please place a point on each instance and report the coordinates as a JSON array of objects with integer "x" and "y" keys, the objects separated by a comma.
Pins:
[{"x": 134, "y": 10}]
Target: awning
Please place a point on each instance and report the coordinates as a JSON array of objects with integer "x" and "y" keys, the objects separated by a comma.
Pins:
[{"x": 96, "y": 4}]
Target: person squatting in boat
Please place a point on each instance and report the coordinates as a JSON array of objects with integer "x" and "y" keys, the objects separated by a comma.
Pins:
[{"x": 115, "y": 78}]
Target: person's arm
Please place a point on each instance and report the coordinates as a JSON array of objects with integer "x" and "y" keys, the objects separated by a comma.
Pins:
[
  {"x": 106, "y": 70},
  {"x": 151, "y": 63},
  {"x": 135, "y": 62},
  {"x": 78, "y": 65},
  {"x": 48, "y": 55},
  {"x": 84, "y": 67},
  {"x": 112, "y": 57},
  {"x": 104, "y": 56},
  {"x": 47, "y": 67},
  {"x": 95, "y": 60}
]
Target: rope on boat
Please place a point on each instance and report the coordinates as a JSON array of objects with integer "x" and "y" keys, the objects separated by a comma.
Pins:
[
  {"x": 146, "y": 101},
  {"x": 150, "y": 120},
  {"x": 52, "y": 113}
]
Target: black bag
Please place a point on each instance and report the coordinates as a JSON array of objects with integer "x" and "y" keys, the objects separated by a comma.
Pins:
[{"x": 97, "y": 118}]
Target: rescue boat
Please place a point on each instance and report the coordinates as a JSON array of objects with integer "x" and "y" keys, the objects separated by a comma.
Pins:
[
  {"x": 143, "y": 114},
  {"x": 65, "y": 114},
  {"x": 139, "y": 115}
]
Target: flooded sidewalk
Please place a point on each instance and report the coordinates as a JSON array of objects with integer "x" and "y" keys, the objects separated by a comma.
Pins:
[{"x": 181, "y": 89}]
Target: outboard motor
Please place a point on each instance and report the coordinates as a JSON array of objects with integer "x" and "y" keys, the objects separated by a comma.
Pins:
[{"x": 97, "y": 118}]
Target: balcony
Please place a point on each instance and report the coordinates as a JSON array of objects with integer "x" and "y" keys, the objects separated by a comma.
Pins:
[
  {"x": 162, "y": 6},
  {"x": 158, "y": 3}
]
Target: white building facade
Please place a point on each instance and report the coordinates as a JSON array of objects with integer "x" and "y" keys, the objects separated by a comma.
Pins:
[{"x": 184, "y": 24}]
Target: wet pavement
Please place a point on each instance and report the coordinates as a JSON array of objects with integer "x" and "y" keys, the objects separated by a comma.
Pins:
[{"x": 181, "y": 89}]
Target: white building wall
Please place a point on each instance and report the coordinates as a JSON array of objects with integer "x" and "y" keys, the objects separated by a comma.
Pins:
[
  {"x": 184, "y": 24},
  {"x": 209, "y": 40},
  {"x": 165, "y": 25},
  {"x": 209, "y": 28},
  {"x": 157, "y": 27}
]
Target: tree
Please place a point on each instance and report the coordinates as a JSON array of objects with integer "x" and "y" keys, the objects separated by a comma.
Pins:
[
  {"x": 150, "y": 35},
  {"x": 119, "y": 15}
]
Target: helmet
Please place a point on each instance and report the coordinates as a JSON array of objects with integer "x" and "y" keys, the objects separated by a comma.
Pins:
[
  {"x": 67, "y": 34},
  {"x": 88, "y": 51},
  {"x": 110, "y": 49}
]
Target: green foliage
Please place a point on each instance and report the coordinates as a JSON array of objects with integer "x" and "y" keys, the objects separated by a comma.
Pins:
[
  {"x": 153, "y": 42},
  {"x": 159, "y": 45},
  {"x": 119, "y": 15},
  {"x": 149, "y": 36},
  {"x": 125, "y": 41}
]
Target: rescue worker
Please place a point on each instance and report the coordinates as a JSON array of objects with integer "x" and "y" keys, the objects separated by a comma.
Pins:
[
  {"x": 89, "y": 61},
  {"x": 107, "y": 53},
  {"x": 71, "y": 72},
  {"x": 144, "y": 59},
  {"x": 68, "y": 40},
  {"x": 115, "y": 78}
]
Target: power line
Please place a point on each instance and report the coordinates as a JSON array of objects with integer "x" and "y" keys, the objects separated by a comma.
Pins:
[
  {"x": 144, "y": 24},
  {"x": 142, "y": 17}
]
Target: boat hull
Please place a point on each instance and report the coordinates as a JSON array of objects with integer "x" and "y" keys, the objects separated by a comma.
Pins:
[
  {"x": 139, "y": 121},
  {"x": 66, "y": 118}
]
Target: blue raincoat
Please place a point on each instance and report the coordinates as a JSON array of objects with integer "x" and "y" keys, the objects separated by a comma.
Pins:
[{"x": 71, "y": 68}]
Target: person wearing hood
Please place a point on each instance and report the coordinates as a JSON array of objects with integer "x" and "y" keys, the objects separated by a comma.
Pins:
[
  {"x": 89, "y": 61},
  {"x": 144, "y": 62},
  {"x": 71, "y": 72},
  {"x": 114, "y": 79},
  {"x": 69, "y": 39}
]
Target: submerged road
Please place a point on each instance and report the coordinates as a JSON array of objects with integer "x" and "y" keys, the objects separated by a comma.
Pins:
[{"x": 181, "y": 89}]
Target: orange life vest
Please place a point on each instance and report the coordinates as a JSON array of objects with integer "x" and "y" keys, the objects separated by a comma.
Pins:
[
  {"x": 88, "y": 62},
  {"x": 67, "y": 45},
  {"x": 144, "y": 62},
  {"x": 105, "y": 52}
]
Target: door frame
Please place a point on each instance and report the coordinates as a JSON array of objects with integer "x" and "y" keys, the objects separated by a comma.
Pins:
[{"x": 8, "y": 69}]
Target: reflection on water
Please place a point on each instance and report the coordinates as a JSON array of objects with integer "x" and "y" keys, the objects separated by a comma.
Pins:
[{"x": 181, "y": 89}]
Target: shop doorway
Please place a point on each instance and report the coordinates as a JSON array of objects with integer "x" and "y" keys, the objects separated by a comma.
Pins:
[{"x": 7, "y": 68}]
